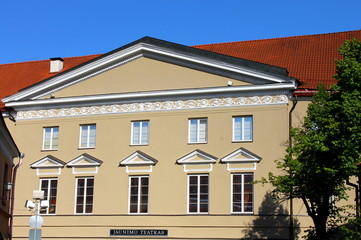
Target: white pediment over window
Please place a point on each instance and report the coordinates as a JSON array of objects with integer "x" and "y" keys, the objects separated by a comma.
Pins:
[
  {"x": 138, "y": 162},
  {"x": 197, "y": 161},
  {"x": 48, "y": 165},
  {"x": 85, "y": 162},
  {"x": 241, "y": 159}
]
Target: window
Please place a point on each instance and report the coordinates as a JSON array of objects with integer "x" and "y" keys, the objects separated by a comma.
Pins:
[
  {"x": 242, "y": 193},
  {"x": 84, "y": 195},
  {"x": 242, "y": 128},
  {"x": 198, "y": 193},
  {"x": 87, "y": 136},
  {"x": 50, "y": 138},
  {"x": 49, "y": 186},
  {"x": 140, "y": 132},
  {"x": 138, "y": 194},
  {"x": 197, "y": 130}
]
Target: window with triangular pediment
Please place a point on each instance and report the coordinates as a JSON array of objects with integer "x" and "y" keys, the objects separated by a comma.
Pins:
[
  {"x": 48, "y": 165},
  {"x": 85, "y": 163},
  {"x": 138, "y": 162},
  {"x": 241, "y": 159},
  {"x": 197, "y": 161}
]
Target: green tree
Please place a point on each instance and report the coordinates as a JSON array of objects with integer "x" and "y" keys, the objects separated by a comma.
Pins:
[{"x": 326, "y": 148}]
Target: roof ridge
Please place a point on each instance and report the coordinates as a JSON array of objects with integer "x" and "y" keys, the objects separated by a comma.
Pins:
[{"x": 269, "y": 39}]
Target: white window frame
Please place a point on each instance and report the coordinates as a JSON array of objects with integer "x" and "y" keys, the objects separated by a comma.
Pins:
[
  {"x": 139, "y": 194},
  {"x": 242, "y": 193},
  {"x": 242, "y": 139},
  {"x": 88, "y": 143},
  {"x": 198, "y": 130},
  {"x": 140, "y": 137},
  {"x": 51, "y": 137},
  {"x": 84, "y": 195},
  {"x": 198, "y": 193},
  {"x": 47, "y": 193}
]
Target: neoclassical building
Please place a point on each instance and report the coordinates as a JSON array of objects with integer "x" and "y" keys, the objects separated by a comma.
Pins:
[{"x": 157, "y": 140}]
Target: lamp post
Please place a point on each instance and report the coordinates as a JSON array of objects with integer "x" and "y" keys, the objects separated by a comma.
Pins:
[{"x": 36, "y": 221}]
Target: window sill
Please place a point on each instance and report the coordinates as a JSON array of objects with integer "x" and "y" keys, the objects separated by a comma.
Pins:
[
  {"x": 191, "y": 143},
  {"x": 242, "y": 141},
  {"x": 207, "y": 213},
  {"x": 49, "y": 150},
  {"x": 85, "y": 148},
  {"x": 243, "y": 213}
]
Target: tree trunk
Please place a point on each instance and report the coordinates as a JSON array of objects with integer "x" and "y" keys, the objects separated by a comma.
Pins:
[{"x": 320, "y": 226}]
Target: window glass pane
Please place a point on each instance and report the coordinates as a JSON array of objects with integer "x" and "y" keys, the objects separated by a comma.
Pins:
[
  {"x": 136, "y": 133},
  {"x": 198, "y": 194},
  {"x": 145, "y": 132},
  {"x": 242, "y": 190},
  {"x": 49, "y": 186},
  {"x": 203, "y": 130},
  {"x": 47, "y": 137},
  {"x": 85, "y": 192},
  {"x": 92, "y": 136},
  {"x": 55, "y": 138},
  {"x": 138, "y": 202},
  {"x": 247, "y": 128},
  {"x": 242, "y": 128},
  {"x": 193, "y": 129},
  {"x": 88, "y": 136},
  {"x": 237, "y": 129}
]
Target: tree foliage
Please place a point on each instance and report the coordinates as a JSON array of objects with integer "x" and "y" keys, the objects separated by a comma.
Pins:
[{"x": 326, "y": 148}]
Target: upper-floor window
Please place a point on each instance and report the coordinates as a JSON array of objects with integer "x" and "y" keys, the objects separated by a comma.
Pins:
[
  {"x": 243, "y": 128},
  {"x": 140, "y": 132},
  {"x": 84, "y": 195},
  {"x": 138, "y": 194},
  {"x": 49, "y": 186},
  {"x": 242, "y": 193},
  {"x": 87, "y": 136},
  {"x": 198, "y": 193},
  {"x": 50, "y": 138},
  {"x": 197, "y": 130}
]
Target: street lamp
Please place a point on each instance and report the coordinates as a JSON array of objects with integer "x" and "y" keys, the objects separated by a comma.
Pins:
[{"x": 36, "y": 221}]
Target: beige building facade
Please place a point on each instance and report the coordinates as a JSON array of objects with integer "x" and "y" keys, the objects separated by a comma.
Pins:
[
  {"x": 156, "y": 140},
  {"x": 8, "y": 152}
]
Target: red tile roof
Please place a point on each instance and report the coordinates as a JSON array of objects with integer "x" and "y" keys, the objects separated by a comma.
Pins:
[
  {"x": 16, "y": 76},
  {"x": 309, "y": 58}
]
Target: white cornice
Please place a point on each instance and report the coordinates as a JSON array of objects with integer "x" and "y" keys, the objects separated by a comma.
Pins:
[
  {"x": 154, "y": 94},
  {"x": 128, "y": 54}
]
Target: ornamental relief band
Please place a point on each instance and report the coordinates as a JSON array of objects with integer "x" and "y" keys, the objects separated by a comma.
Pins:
[{"x": 153, "y": 106}]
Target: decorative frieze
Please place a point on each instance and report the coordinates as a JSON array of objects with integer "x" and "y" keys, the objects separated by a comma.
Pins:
[{"x": 152, "y": 106}]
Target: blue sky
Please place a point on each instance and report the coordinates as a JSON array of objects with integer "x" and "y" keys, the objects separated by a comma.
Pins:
[{"x": 42, "y": 29}]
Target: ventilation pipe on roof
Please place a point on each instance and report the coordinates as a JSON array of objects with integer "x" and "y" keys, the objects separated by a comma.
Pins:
[{"x": 56, "y": 64}]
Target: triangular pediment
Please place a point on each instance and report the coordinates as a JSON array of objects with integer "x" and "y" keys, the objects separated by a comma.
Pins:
[
  {"x": 112, "y": 73},
  {"x": 48, "y": 162},
  {"x": 197, "y": 157},
  {"x": 138, "y": 158},
  {"x": 241, "y": 155},
  {"x": 84, "y": 160}
]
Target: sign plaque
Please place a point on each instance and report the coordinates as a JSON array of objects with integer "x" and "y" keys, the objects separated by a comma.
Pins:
[{"x": 138, "y": 232}]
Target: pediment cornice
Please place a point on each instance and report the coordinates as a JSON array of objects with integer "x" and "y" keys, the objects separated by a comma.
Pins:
[{"x": 219, "y": 64}]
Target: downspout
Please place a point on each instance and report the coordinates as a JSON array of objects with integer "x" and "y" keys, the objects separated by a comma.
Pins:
[
  {"x": 291, "y": 231},
  {"x": 21, "y": 157}
]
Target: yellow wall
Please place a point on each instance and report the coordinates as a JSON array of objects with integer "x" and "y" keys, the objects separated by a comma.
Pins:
[{"x": 146, "y": 74}]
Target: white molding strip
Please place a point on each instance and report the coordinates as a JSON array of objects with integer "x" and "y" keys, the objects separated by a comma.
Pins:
[
  {"x": 48, "y": 173},
  {"x": 152, "y": 106}
]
